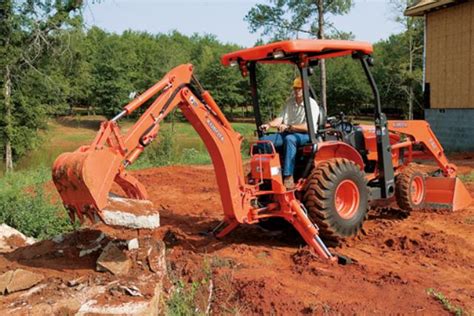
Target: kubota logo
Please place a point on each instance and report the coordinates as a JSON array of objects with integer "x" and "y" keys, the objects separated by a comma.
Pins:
[
  {"x": 400, "y": 124},
  {"x": 215, "y": 130}
]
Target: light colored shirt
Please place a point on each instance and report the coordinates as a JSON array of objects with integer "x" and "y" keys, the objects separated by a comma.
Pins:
[{"x": 294, "y": 114}]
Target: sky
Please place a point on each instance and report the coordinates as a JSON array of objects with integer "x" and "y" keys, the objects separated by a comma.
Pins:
[{"x": 369, "y": 20}]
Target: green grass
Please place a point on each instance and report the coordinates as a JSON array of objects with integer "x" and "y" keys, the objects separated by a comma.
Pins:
[
  {"x": 69, "y": 133},
  {"x": 182, "y": 300},
  {"x": 469, "y": 177},
  {"x": 455, "y": 310},
  {"x": 27, "y": 207}
]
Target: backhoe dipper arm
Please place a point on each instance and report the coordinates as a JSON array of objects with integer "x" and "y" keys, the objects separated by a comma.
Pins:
[{"x": 84, "y": 178}]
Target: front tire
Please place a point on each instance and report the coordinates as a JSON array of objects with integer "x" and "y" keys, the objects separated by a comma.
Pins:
[
  {"x": 410, "y": 189},
  {"x": 336, "y": 197}
]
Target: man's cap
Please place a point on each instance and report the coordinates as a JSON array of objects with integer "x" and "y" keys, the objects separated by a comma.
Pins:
[{"x": 297, "y": 83}]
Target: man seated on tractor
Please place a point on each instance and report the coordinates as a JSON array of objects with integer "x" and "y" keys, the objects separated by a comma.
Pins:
[{"x": 292, "y": 130}]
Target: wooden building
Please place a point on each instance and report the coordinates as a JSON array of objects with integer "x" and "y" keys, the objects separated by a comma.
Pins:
[{"x": 449, "y": 69}]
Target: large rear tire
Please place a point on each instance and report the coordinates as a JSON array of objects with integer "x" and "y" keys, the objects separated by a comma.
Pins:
[
  {"x": 410, "y": 189},
  {"x": 336, "y": 197}
]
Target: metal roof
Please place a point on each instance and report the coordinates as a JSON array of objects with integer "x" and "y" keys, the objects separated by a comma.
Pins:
[{"x": 424, "y": 6}]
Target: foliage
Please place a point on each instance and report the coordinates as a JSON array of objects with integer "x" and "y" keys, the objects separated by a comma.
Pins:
[
  {"x": 180, "y": 144},
  {"x": 29, "y": 37},
  {"x": 406, "y": 58},
  {"x": 182, "y": 301},
  {"x": 468, "y": 177},
  {"x": 24, "y": 205},
  {"x": 285, "y": 18},
  {"x": 348, "y": 89},
  {"x": 94, "y": 71},
  {"x": 455, "y": 310},
  {"x": 161, "y": 152}
]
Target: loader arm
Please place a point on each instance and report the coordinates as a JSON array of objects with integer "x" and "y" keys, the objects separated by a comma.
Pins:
[
  {"x": 85, "y": 177},
  {"x": 420, "y": 132}
]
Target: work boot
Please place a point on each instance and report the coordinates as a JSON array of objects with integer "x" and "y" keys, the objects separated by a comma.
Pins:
[{"x": 289, "y": 183}]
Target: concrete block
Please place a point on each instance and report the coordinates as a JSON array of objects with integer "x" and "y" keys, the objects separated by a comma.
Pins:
[
  {"x": 129, "y": 213},
  {"x": 453, "y": 127}
]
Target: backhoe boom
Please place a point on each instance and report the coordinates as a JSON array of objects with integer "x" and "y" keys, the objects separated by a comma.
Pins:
[{"x": 84, "y": 178}]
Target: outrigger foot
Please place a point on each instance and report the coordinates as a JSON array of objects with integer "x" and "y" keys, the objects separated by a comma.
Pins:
[{"x": 224, "y": 228}]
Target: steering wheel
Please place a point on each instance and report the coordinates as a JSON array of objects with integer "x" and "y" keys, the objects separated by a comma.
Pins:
[{"x": 340, "y": 125}]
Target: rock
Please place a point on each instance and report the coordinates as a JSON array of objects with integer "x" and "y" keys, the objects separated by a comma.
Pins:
[
  {"x": 58, "y": 238},
  {"x": 131, "y": 290},
  {"x": 114, "y": 260},
  {"x": 134, "y": 306},
  {"x": 131, "y": 213},
  {"x": 4, "y": 281},
  {"x": 10, "y": 239},
  {"x": 76, "y": 282},
  {"x": 133, "y": 244},
  {"x": 23, "y": 280},
  {"x": 156, "y": 257},
  {"x": 14, "y": 281},
  {"x": 86, "y": 252}
]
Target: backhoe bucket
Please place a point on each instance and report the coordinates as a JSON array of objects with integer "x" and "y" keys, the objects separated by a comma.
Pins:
[
  {"x": 446, "y": 193},
  {"x": 84, "y": 178}
]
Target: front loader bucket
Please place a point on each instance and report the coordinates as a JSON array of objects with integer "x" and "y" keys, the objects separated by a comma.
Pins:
[
  {"x": 446, "y": 193},
  {"x": 84, "y": 178}
]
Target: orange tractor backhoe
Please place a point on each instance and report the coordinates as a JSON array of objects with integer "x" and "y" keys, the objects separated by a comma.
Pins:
[{"x": 338, "y": 172}]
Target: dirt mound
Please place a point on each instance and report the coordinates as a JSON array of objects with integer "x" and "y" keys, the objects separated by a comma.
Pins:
[{"x": 398, "y": 257}]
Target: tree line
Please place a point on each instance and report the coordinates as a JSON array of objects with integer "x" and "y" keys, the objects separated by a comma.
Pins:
[{"x": 53, "y": 66}]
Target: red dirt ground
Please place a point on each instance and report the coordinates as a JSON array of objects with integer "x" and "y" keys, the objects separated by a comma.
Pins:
[{"x": 399, "y": 256}]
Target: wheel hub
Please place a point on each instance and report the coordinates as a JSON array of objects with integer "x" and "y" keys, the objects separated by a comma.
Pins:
[
  {"x": 347, "y": 199},
  {"x": 417, "y": 190}
]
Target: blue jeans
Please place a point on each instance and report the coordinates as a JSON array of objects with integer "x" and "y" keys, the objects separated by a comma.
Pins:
[{"x": 289, "y": 142}]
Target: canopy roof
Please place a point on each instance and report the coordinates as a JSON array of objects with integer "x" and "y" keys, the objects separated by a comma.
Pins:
[{"x": 314, "y": 49}]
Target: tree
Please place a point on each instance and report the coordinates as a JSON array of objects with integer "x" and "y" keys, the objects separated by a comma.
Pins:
[
  {"x": 288, "y": 18},
  {"x": 28, "y": 30},
  {"x": 412, "y": 41}
]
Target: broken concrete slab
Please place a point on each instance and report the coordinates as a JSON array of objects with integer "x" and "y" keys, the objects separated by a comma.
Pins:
[
  {"x": 131, "y": 213},
  {"x": 74, "y": 287},
  {"x": 23, "y": 280},
  {"x": 137, "y": 307},
  {"x": 156, "y": 257},
  {"x": 18, "y": 280},
  {"x": 4, "y": 281},
  {"x": 133, "y": 244},
  {"x": 114, "y": 260},
  {"x": 11, "y": 239}
]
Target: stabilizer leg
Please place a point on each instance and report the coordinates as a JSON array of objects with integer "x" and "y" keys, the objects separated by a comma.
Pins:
[
  {"x": 224, "y": 228},
  {"x": 309, "y": 232}
]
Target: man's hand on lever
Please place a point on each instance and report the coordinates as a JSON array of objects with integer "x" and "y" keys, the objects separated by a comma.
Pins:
[
  {"x": 283, "y": 128},
  {"x": 264, "y": 127}
]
